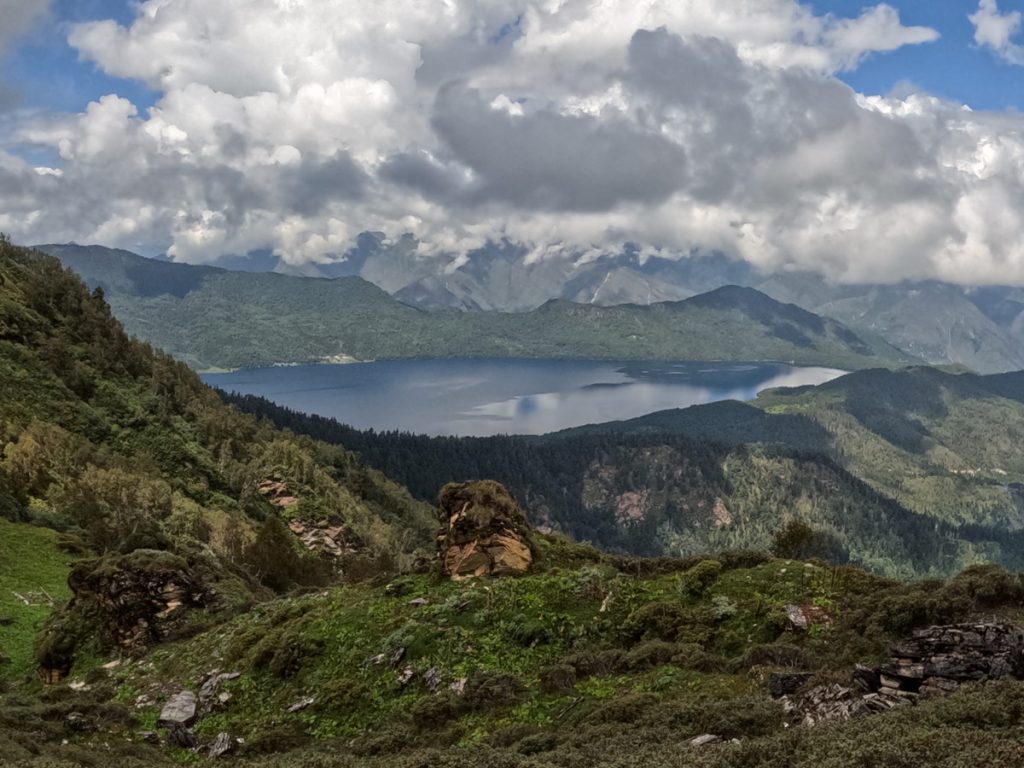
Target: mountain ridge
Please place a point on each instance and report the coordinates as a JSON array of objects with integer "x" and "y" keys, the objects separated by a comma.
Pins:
[{"x": 224, "y": 319}]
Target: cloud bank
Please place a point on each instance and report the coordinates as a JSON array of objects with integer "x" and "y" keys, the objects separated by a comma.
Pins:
[{"x": 573, "y": 127}]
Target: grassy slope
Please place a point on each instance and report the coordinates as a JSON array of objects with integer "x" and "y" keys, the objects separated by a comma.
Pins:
[
  {"x": 659, "y": 659},
  {"x": 29, "y": 563},
  {"x": 214, "y": 318}
]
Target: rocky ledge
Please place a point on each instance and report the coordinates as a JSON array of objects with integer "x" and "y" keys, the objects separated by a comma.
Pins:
[
  {"x": 931, "y": 662},
  {"x": 138, "y": 596}
]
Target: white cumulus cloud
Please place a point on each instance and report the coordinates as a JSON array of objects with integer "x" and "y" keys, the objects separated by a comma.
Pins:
[
  {"x": 572, "y": 127},
  {"x": 996, "y": 30}
]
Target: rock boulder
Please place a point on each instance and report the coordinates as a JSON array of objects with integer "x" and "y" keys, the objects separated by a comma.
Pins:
[
  {"x": 939, "y": 659},
  {"x": 484, "y": 532},
  {"x": 179, "y": 711}
]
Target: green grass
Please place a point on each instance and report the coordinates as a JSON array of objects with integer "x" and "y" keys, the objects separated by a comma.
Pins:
[
  {"x": 510, "y": 627},
  {"x": 29, "y": 563}
]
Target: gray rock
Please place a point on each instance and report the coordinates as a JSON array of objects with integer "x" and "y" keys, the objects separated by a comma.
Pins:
[
  {"x": 301, "y": 704},
  {"x": 433, "y": 679},
  {"x": 419, "y": 602},
  {"x": 866, "y": 678},
  {"x": 796, "y": 616},
  {"x": 221, "y": 745},
  {"x": 785, "y": 683},
  {"x": 704, "y": 740},
  {"x": 180, "y": 710},
  {"x": 406, "y": 675},
  {"x": 213, "y": 683}
]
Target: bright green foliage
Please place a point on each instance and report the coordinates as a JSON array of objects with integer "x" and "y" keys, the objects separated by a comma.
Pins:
[{"x": 32, "y": 566}]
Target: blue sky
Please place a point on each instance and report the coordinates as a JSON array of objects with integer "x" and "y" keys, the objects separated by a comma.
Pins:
[
  {"x": 46, "y": 71},
  {"x": 48, "y": 74},
  {"x": 952, "y": 67},
  {"x": 296, "y": 126}
]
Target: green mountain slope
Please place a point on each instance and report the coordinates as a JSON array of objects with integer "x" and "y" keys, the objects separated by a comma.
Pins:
[
  {"x": 215, "y": 318},
  {"x": 936, "y": 322},
  {"x": 122, "y": 449}
]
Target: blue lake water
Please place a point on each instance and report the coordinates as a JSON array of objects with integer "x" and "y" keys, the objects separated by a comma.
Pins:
[{"x": 488, "y": 397}]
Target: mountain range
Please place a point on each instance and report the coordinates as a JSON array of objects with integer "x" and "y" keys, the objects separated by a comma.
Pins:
[
  {"x": 211, "y": 317},
  {"x": 981, "y": 328}
]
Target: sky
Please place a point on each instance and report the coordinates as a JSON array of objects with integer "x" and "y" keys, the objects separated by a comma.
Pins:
[{"x": 864, "y": 141}]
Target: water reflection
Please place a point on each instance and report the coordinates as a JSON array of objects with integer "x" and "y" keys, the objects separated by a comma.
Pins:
[{"x": 487, "y": 397}]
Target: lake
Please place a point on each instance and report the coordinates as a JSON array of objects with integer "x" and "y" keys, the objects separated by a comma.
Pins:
[{"x": 489, "y": 397}]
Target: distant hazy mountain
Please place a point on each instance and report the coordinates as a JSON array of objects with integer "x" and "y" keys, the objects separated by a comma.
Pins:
[
  {"x": 217, "y": 318},
  {"x": 937, "y": 322},
  {"x": 500, "y": 277}
]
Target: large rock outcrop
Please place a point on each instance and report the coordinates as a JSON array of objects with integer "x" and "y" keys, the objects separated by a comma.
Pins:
[
  {"x": 138, "y": 597},
  {"x": 484, "y": 532},
  {"x": 938, "y": 659},
  {"x": 932, "y": 661}
]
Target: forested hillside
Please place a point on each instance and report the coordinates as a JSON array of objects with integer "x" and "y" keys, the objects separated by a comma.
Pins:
[
  {"x": 659, "y": 493},
  {"x": 216, "y": 318},
  {"x": 945, "y": 445}
]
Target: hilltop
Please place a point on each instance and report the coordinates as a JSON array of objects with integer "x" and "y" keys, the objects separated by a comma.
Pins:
[{"x": 945, "y": 445}]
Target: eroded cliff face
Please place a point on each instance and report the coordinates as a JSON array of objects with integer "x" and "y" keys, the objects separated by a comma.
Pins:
[{"x": 484, "y": 532}]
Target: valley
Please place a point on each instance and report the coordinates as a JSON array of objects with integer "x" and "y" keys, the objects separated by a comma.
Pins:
[{"x": 267, "y": 587}]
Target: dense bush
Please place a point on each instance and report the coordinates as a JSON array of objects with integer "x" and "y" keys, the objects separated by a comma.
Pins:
[{"x": 698, "y": 579}]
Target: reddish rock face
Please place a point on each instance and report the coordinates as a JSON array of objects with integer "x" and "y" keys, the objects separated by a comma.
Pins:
[
  {"x": 335, "y": 540},
  {"x": 484, "y": 532},
  {"x": 277, "y": 493}
]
